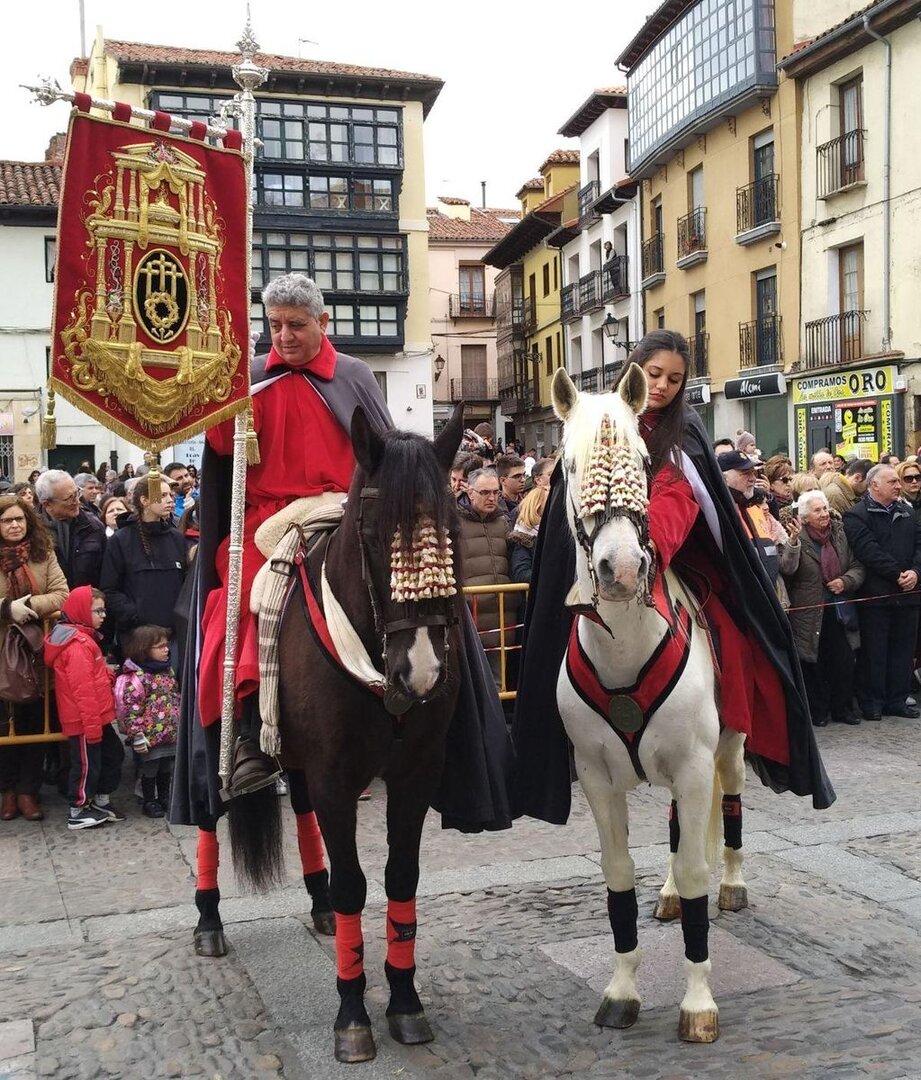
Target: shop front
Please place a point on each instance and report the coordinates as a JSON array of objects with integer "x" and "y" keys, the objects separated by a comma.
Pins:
[
  {"x": 857, "y": 412},
  {"x": 765, "y": 398},
  {"x": 699, "y": 398}
]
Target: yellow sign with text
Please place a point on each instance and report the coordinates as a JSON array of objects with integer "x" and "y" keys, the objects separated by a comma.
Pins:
[{"x": 841, "y": 385}]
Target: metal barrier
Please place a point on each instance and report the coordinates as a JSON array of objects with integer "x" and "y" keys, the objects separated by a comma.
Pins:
[
  {"x": 503, "y": 630},
  {"x": 8, "y": 734}
]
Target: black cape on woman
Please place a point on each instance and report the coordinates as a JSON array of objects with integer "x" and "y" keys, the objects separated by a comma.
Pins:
[
  {"x": 544, "y": 778},
  {"x": 473, "y": 792}
]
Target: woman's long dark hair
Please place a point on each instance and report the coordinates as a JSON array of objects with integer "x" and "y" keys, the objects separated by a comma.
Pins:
[{"x": 664, "y": 438}]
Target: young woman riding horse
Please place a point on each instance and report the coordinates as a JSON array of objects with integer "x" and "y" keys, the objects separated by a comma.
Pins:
[
  {"x": 626, "y": 530},
  {"x": 389, "y": 571}
]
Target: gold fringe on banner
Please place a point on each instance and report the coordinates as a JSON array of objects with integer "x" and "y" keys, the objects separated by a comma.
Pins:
[
  {"x": 253, "y": 456},
  {"x": 49, "y": 425}
]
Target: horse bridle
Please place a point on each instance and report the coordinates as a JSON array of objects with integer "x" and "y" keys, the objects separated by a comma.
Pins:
[
  {"x": 446, "y": 618},
  {"x": 586, "y": 540}
]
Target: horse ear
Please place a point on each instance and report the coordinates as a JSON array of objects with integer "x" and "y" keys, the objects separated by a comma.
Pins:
[
  {"x": 634, "y": 389},
  {"x": 449, "y": 438},
  {"x": 367, "y": 445},
  {"x": 563, "y": 393}
]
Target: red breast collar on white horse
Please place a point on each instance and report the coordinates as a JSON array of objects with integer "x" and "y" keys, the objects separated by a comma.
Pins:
[{"x": 627, "y": 710}]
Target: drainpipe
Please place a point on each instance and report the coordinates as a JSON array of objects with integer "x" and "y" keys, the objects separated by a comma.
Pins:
[{"x": 887, "y": 160}]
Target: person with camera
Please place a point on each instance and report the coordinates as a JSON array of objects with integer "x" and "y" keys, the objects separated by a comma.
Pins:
[
  {"x": 32, "y": 586},
  {"x": 749, "y": 493}
]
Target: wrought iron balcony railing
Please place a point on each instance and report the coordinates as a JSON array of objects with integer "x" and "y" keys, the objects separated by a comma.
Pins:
[
  {"x": 692, "y": 232},
  {"x": 839, "y": 163},
  {"x": 569, "y": 301},
  {"x": 587, "y": 195},
  {"x": 590, "y": 292},
  {"x": 614, "y": 280},
  {"x": 588, "y": 380},
  {"x": 474, "y": 389},
  {"x": 757, "y": 203},
  {"x": 836, "y": 339},
  {"x": 653, "y": 258},
  {"x": 761, "y": 342},
  {"x": 472, "y": 306},
  {"x": 700, "y": 355}
]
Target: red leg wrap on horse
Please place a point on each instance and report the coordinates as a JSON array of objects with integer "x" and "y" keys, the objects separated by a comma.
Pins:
[
  {"x": 310, "y": 843},
  {"x": 350, "y": 946},
  {"x": 206, "y": 860},
  {"x": 401, "y": 933}
]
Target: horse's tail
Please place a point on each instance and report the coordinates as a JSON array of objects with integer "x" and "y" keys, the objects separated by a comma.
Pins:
[
  {"x": 255, "y": 838},
  {"x": 715, "y": 824}
]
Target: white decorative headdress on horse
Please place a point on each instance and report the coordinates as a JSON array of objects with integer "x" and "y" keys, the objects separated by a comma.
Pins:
[
  {"x": 424, "y": 570},
  {"x": 612, "y": 480}
]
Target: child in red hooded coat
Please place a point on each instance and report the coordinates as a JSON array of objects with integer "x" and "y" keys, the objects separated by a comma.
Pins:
[{"x": 86, "y": 708}]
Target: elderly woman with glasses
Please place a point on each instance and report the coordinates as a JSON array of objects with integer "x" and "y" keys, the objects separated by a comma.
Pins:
[
  {"x": 821, "y": 571},
  {"x": 32, "y": 586}
]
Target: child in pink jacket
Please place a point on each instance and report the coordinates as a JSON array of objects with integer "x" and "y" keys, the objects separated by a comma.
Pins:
[{"x": 86, "y": 708}]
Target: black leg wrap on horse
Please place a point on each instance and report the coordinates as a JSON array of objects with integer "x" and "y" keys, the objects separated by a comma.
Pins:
[
  {"x": 695, "y": 925},
  {"x": 208, "y": 903},
  {"x": 351, "y": 1002},
  {"x": 622, "y": 913},
  {"x": 674, "y": 828},
  {"x": 732, "y": 821}
]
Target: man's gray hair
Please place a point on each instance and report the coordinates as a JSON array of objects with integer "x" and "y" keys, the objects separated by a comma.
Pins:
[
  {"x": 84, "y": 478},
  {"x": 477, "y": 473},
  {"x": 294, "y": 290},
  {"x": 873, "y": 474},
  {"x": 44, "y": 484},
  {"x": 805, "y": 502}
]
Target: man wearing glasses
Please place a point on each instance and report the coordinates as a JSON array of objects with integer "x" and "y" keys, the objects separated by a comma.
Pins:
[{"x": 79, "y": 537}]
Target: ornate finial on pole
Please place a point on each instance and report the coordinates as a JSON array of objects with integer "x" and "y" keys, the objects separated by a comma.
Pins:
[
  {"x": 248, "y": 74},
  {"x": 47, "y": 92}
]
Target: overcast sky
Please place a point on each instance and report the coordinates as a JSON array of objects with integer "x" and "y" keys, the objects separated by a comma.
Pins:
[{"x": 513, "y": 73}]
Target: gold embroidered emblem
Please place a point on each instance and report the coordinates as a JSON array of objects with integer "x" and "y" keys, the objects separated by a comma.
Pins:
[{"x": 156, "y": 239}]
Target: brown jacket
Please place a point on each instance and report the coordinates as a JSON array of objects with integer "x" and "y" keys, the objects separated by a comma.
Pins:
[
  {"x": 50, "y": 588},
  {"x": 804, "y": 584},
  {"x": 484, "y": 561},
  {"x": 841, "y": 496}
]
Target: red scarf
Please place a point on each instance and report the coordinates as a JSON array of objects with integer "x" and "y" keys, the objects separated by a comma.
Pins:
[
  {"x": 13, "y": 559},
  {"x": 828, "y": 557},
  {"x": 323, "y": 364}
]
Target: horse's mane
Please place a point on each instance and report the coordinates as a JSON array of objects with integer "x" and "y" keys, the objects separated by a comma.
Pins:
[
  {"x": 583, "y": 424},
  {"x": 410, "y": 482}
]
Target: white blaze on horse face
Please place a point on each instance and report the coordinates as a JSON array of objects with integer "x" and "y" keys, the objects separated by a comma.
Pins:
[
  {"x": 424, "y": 667},
  {"x": 621, "y": 564}
]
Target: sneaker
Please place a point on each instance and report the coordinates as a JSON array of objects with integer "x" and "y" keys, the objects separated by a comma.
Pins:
[
  {"x": 85, "y": 817},
  {"x": 110, "y": 811}
]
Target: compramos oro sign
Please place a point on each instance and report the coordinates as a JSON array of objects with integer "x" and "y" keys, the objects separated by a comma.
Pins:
[{"x": 839, "y": 386}]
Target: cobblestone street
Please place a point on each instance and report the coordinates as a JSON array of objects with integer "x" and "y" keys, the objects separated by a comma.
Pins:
[{"x": 817, "y": 978}]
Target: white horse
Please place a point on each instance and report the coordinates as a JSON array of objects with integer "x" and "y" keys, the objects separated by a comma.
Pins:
[{"x": 637, "y": 696}]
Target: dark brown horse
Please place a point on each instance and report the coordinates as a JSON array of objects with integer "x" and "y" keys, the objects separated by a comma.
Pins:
[{"x": 342, "y": 732}]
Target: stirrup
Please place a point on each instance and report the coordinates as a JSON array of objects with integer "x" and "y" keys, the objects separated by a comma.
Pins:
[{"x": 250, "y": 771}]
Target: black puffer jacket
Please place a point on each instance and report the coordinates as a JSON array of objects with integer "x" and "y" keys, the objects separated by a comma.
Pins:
[
  {"x": 887, "y": 543},
  {"x": 140, "y": 588},
  {"x": 83, "y": 562}
]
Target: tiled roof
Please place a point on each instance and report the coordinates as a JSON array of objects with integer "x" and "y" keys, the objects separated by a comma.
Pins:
[
  {"x": 484, "y": 225},
  {"x": 80, "y": 65},
  {"x": 452, "y": 200},
  {"x": 139, "y": 52},
  {"x": 849, "y": 33},
  {"x": 537, "y": 184},
  {"x": 561, "y": 157},
  {"x": 612, "y": 97},
  {"x": 29, "y": 183}
]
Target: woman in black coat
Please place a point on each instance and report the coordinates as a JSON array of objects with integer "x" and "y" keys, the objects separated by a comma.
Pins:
[{"x": 145, "y": 563}]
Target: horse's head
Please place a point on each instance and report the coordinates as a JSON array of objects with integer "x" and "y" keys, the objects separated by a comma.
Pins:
[
  {"x": 606, "y": 471},
  {"x": 406, "y": 530}
]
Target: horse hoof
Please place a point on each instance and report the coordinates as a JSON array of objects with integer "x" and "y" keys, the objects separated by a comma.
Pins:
[
  {"x": 355, "y": 1043},
  {"x": 668, "y": 907},
  {"x": 210, "y": 943},
  {"x": 617, "y": 1014},
  {"x": 699, "y": 1027},
  {"x": 410, "y": 1029},
  {"x": 733, "y": 897},
  {"x": 324, "y": 922}
]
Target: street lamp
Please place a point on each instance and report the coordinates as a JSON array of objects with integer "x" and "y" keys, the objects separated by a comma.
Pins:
[{"x": 439, "y": 364}]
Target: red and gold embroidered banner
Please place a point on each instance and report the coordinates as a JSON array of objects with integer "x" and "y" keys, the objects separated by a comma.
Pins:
[{"x": 151, "y": 313}]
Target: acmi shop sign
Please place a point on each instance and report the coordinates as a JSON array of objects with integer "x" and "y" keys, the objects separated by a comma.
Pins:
[{"x": 752, "y": 386}]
